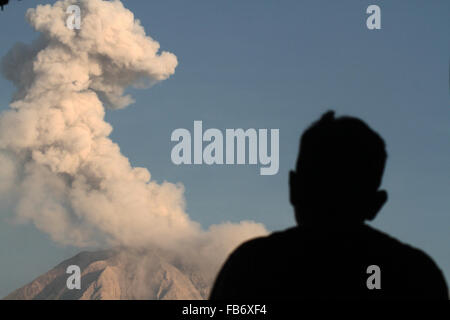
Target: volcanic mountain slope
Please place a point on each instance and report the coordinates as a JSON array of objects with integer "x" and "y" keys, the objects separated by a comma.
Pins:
[{"x": 113, "y": 274}]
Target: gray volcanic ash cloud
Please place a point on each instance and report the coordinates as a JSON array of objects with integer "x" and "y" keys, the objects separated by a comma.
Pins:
[{"x": 61, "y": 170}]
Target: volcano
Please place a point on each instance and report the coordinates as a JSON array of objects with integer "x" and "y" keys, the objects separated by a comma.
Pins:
[{"x": 116, "y": 274}]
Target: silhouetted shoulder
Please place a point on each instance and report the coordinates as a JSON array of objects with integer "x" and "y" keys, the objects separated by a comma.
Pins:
[
  {"x": 274, "y": 239},
  {"x": 423, "y": 278},
  {"x": 301, "y": 263},
  {"x": 244, "y": 269},
  {"x": 272, "y": 246},
  {"x": 389, "y": 243}
]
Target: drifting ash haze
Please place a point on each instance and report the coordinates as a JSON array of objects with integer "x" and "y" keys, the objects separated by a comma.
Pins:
[{"x": 61, "y": 171}]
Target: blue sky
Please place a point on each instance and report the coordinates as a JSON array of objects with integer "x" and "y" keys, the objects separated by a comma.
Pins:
[{"x": 278, "y": 64}]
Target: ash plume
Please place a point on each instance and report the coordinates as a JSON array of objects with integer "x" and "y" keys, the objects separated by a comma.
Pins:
[{"x": 62, "y": 172}]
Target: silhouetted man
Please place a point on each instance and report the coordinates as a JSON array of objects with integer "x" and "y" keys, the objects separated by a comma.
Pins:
[
  {"x": 332, "y": 253},
  {"x": 2, "y": 3}
]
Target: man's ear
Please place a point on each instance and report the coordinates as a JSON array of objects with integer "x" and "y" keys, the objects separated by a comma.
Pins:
[
  {"x": 293, "y": 187},
  {"x": 380, "y": 199}
]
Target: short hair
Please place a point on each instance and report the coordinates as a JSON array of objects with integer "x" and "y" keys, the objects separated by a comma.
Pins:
[{"x": 341, "y": 153}]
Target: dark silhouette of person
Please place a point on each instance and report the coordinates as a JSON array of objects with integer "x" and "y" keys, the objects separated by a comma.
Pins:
[
  {"x": 332, "y": 253},
  {"x": 3, "y": 3}
]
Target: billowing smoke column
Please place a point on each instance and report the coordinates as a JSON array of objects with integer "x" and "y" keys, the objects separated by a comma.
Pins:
[{"x": 58, "y": 165}]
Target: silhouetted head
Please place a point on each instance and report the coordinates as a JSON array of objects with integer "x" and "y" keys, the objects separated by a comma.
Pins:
[{"x": 338, "y": 173}]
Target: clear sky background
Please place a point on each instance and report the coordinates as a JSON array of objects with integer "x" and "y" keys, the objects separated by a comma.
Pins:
[{"x": 277, "y": 64}]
